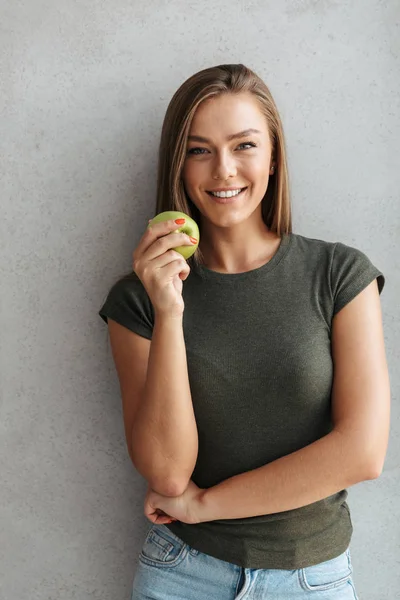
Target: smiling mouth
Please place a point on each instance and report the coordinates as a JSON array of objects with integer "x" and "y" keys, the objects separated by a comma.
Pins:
[{"x": 227, "y": 194}]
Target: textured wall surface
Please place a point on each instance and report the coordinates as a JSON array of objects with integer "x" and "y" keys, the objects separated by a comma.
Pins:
[{"x": 84, "y": 88}]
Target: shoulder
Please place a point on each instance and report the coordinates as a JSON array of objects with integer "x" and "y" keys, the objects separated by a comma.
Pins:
[
  {"x": 311, "y": 255},
  {"x": 338, "y": 254},
  {"x": 343, "y": 269},
  {"x": 312, "y": 248},
  {"x": 128, "y": 284},
  {"x": 125, "y": 291},
  {"x": 128, "y": 303},
  {"x": 312, "y": 244}
]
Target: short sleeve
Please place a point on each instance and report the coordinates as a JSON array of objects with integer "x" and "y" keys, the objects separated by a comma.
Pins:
[
  {"x": 351, "y": 272},
  {"x": 128, "y": 304}
]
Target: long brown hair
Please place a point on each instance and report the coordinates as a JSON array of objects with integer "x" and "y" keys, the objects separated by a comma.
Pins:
[{"x": 208, "y": 83}]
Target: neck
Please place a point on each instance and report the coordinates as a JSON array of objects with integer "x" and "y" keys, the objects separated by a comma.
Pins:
[{"x": 237, "y": 249}]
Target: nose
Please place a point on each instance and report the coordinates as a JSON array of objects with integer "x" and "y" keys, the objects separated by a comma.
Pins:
[{"x": 224, "y": 167}]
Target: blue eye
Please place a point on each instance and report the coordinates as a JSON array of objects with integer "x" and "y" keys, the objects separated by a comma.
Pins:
[
  {"x": 193, "y": 150},
  {"x": 199, "y": 151},
  {"x": 251, "y": 144}
]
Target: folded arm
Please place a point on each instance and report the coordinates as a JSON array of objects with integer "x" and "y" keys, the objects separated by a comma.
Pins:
[{"x": 355, "y": 449}]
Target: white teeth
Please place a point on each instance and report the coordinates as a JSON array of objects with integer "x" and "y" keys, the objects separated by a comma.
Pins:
[{"x": 226, "y": 194}]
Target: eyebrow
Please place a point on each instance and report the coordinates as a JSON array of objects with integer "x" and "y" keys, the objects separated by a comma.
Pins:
[{"x": 233, "y": 136}]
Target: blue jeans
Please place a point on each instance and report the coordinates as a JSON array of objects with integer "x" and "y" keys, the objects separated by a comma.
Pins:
[{"x": 170, "y": 569}]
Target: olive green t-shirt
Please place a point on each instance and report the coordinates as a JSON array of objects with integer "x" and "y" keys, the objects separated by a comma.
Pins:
[{"x": 260, "y": 370}]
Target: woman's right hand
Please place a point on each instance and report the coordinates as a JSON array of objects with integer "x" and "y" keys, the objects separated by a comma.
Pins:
[{"x": 161, "y": 269}]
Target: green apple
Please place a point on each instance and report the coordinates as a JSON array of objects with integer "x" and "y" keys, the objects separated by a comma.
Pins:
[{"x": 189, "y": 227}]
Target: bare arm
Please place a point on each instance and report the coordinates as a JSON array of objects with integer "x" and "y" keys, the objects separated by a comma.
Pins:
[
  {"x": 353, "y": 452},
  {"x": 164, "y": 431},
  {"x": 159, "y": 421}
]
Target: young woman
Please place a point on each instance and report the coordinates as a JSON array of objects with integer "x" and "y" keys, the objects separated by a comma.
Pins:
[{"x": 253, "y": 376}]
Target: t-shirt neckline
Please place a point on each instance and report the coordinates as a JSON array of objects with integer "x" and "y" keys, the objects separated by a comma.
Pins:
[{"x": 262, "y": 270}]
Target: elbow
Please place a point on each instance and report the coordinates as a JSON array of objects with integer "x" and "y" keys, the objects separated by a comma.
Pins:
[
  {"x": 163, "y": 484},
  {"x": 373, "y": 465},
  {"x": 367, "y": 459},
  {"x": 376, "y": 459},
  {"x": 169, "y": 487},
  {"x": 374, "y": 469},
  {"x": 374, "y": 474},
  {"x": 363, "y": 471},
  {"x": 165, "y": 477}
]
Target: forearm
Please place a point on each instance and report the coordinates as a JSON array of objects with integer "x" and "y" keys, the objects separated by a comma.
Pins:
[
  {"x": 317, "y": 471},
  {"x": 164, "y": 435}
]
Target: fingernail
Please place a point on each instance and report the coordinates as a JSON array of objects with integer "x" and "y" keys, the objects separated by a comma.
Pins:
[
  {"x": 193, "y": 239},
  {"x": 180, "y": 221}
]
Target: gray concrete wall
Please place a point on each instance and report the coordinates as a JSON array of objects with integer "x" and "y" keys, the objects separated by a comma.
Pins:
[{"x": 84, "y": 88}]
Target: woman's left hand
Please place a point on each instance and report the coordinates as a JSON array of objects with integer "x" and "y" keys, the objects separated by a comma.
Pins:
[{"x": 164, "y": 509}]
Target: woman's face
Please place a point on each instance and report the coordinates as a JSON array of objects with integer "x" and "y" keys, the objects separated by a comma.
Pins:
[{"x": 215, "y": 160}]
